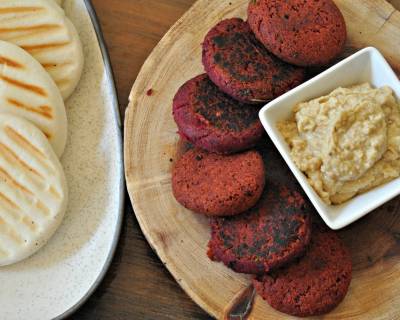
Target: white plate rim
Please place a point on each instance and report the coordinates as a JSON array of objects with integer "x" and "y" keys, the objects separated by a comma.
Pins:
[{"x": 117, "y": 117}]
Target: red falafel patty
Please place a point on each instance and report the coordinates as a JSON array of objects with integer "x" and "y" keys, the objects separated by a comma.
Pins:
[
  {"x": 212, "y": 120},
  {"x": 218, "y": 185},
  {"x": 241, "y": 66},
  {"x": 266, "y": 237},
  {"x": 314, "y": 284},
  {"x": 301, "y": 32}
]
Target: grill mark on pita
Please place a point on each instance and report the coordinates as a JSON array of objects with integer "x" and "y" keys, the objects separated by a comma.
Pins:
[
  {"x": 44, "y": 46},
  {"x": 23, "y": 142},
  {"x": 10, "y": 213},
  {"x": 44, "y": 111},
  {"x": 29, "y": 223},
  {"x": 42, "y": 207},
  {"x": 39, "y": 27},
  {"x": 15, "y": 184},
  {"x": 11, "y": 63},
  {"x": 18, "y": 215},
  {"x": 54, "y": 192},
  {"x": 48, "y": 135},
  {"x": 51, "y": 65},
  {"x": 20, "y": 9},
  {"x": 9, "y": 202},
  {"x": 5, "y": 227},
  {"x": 7, "y": 230},
  {"x": 24, "y": 37},
  {"x": 20, "y": 218},
  {"x": 28, "y": 87},
  {"x": 12, "y": 158}
]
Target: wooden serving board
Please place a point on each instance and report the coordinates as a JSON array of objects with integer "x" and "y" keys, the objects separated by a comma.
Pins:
[{"x": 180, "y": 237}]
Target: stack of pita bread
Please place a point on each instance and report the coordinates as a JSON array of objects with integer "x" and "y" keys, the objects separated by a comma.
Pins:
[{"x": 41, "y": 61}]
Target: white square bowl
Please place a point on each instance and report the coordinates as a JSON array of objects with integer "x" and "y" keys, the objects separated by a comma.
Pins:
[{"x": 367, "y": 65}]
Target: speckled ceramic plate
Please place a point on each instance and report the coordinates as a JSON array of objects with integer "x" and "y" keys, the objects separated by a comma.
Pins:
[{"x": 60, "y": 277}]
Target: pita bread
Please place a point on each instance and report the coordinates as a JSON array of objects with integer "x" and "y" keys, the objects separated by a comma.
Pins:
[
  {"x": 33, "y": 190},
  {"x": 41, "y": 28},
  {"x": 59, "y": 2},
  {"x": 27, "y": 91}
]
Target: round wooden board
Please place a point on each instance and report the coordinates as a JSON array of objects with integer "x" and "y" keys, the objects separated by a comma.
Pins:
[{"x": 180, "y": 237}]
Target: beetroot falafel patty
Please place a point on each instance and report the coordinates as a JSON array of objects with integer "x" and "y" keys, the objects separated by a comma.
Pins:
[
  {"x": 241, "y": 66},
  {"x": 314, "y": 284},
  {"x": 212, "y": 120},
  {"x": 266, "y": 237},
  {"x": 301, "y": 32},
  {"x": 218, "y": 185}
]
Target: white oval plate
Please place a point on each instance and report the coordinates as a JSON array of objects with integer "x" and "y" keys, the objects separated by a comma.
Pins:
[{"x": 61, "y": 276}]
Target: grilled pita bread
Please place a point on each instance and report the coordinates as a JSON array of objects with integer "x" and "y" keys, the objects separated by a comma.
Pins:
[
  {"x": 27, "y": 91},
  {"x": 33, "y": 190},
  {"x": 41, "y": 28}
]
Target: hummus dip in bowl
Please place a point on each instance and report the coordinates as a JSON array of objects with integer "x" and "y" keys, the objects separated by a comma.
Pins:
[{"x": 338, "y": 205}]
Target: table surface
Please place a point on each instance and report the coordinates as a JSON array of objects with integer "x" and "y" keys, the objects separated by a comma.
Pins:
[{"x": 137, "y": 286}]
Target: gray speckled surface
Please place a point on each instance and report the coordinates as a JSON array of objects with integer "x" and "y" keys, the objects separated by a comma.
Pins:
[{"x": 60, "y": 275}]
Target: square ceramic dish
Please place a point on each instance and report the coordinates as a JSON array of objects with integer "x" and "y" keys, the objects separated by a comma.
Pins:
[{"x": 367, "y": 65}]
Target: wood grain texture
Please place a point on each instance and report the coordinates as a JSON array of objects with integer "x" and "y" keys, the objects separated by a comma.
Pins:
[
  {"x": 137, "y": 285},
  {"x": 180, "y": 237}
]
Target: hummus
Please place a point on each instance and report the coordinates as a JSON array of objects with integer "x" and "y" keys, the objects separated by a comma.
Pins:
[{"x": 346, "y": 142}]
